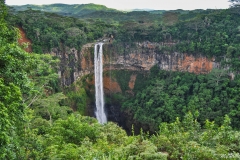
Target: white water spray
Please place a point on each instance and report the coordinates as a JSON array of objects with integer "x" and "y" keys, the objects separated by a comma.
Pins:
[{"x": 98, "y": 71}]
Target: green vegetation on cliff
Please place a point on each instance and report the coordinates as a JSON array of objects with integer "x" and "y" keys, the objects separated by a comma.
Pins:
[
  {"x": 49, "y": 30},
  {"x": 205, "y": 32},
  {"x": 167, "y": 95}
]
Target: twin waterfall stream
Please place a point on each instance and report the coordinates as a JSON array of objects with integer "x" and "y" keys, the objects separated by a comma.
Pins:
[{"x": 99, "y": 94}]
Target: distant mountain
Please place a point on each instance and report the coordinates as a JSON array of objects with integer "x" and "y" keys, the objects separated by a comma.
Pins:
[
  {"x": 66, "y": 9},
  {"x": 95, "y": 11},
  {"x": 91, "y": 10},
  {"x": 143, "y": 9}
]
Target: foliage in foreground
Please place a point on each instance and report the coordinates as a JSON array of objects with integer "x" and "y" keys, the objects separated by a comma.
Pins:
[{"x": 79, "y": 137}]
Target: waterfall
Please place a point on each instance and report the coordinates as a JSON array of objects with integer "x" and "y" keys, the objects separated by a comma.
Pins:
[{"x": 98, "y": 71}]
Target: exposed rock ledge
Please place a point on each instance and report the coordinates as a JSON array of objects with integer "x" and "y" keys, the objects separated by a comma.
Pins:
[
  {"x": 143, "y": 56},
  {"x": 75, "y": 64},
  {"x": 144, "y": 59}
]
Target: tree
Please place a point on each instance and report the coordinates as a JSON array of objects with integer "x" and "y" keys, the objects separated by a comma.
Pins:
[
  {"x": 195, "y": 24},
  {"x": 216, "y": 77},
  {"x": 21, "y": 76},
  {"x": 3, "y": 10},
  {"x": 170, "y": 18},
  {"x": 11, "y": 112},
  {"x": 235, "y": 3},
  {"x": 235, "y": 6},
  {"x": 12, "y": 79},
  {"x": 50, "y": 108}
]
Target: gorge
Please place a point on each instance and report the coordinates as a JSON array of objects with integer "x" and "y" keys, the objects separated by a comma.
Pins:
[
  {"x": 164, "y": 85},
  {"x": 133, "y": 62},
  {"x": 176, "y": 46}
]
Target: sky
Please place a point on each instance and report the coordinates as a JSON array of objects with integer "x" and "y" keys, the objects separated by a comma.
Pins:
[{"x": 137, "y": 4}]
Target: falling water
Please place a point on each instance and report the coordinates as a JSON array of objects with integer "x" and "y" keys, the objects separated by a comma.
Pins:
[{"x": 98, "y": 69}]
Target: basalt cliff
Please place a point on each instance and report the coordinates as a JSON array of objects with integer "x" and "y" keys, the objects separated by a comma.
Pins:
[
  {"x": 141, "y": 57},
  {"x": 136, "y": 57}
]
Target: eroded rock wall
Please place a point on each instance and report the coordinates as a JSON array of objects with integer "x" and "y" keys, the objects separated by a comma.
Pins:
[
  {"x": 75, "y": 64},
  {"x": 23, "y": 39},
  {"x": 139, "y": 57},
  {"x": 144, "y": 57}
]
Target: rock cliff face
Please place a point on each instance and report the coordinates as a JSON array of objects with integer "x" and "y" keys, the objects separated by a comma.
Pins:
[
  {"x": 142, "y": 58},
  {"x": 75, "y": 64},
  {"x": 23, "y": 39}
]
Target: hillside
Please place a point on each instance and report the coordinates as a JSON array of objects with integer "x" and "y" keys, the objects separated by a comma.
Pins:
[
  {"x": 76, "y": 10},
  {"x": 94, "y": 11}
]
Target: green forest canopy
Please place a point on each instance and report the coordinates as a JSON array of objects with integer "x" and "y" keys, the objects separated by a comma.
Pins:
[{"x": 35, "y": 124}]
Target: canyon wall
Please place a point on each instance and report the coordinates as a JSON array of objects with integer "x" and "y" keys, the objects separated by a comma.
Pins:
[
  {"x": 24, "y": 40},
  {"x": 139, "y": 57}
]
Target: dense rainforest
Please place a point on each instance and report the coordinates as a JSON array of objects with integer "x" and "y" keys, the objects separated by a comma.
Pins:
[{"x": 183, "y": 115}]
